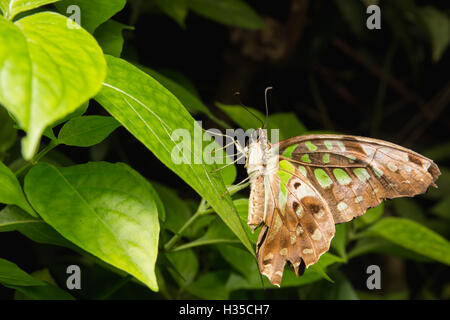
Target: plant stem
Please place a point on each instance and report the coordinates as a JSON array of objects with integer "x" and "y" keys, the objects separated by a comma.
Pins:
[
  {"x": 52, "y": 145},
  {"x": 200, "y": 211}
]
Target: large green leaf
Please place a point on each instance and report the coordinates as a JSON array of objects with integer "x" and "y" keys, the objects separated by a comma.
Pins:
[
  {"x": 87, "y": 131},
  {"x": 48, "y": 70},
  {"x": 106, "y": 209},
  {"x": 412, "y": 236},
  {"x": 11, "y": 8},
  {"x": 11, "y": 191},
  {"x": 93, "y": 12},
  {"x": 152, "y": 114},
  {"x": 189, "y": 100},
  {"x": 231, "y": 12}
]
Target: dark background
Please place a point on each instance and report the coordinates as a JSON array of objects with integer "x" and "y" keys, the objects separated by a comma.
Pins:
[{"x": 378, "y": 83}]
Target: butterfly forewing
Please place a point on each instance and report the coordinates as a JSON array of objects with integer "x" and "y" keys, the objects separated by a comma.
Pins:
[{"x": 327, "y": 179}]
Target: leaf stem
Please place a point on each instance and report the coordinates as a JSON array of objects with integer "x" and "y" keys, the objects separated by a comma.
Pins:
[
  {"x": 52, "y": 145},
  {"x": 202, "y": 209}
]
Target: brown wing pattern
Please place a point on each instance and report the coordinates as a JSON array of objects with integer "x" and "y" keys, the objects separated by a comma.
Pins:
[
  {"x": 298, "y": 229},
  {"x": 331, "y": 179}
]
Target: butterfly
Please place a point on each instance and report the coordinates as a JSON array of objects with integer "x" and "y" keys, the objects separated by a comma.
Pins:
[{"x": 301, "y": 187}]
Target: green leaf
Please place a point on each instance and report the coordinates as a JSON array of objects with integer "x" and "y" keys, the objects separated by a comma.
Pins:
[
  {"x": 87, "y": 131},
  {"x": 11, "y": 8},
  {"x": 367, "y": 245},
  {"x": 231, "y": 12},
  {"x": 216, "y": 233},
  {"x": 110, "y": 38},
  {"x": 11, "y": 191},
  {"x": 340, "y": 290},
  {"x": 8, "y": 133},
  {"x": 106, "y": 209},
  {"x": 189, "y": 100},
  {"x": 60, "y": 84},
  {"x": 152, "y": 114},
  {"x": 50, "y": 291},
  {"x": 371, "y": 215},
  {"x": 339, "y": 242},
  {"x": 288, "y": 124},
  {"x": 93, "y": 13},
  {"x": 176, "y": 9},
  {"x": 412, "y": 236},
  {"x": 437, "y": 24},
  {"x": 210, "y": 286},
  {"x": 12, "y": 275},
  {"x": 408, "y": 208},
  {"x": 13, "y": 218},
  {"x": 186, "y": 264},
  {"x": 442, "y": 209},
  {"x": 176, "y": 210}
]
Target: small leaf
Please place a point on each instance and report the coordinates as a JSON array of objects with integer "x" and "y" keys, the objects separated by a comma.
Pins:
[
  {"x": 110, "y": 38},
  {"x": 12, "y": 275},
  {"x": 437, "y": 24},
  {"x": 11, "y": 191},
  {"x": 87, "y": 131},
  {"x": 231, "y": 12},
  {"x": 106, "y": 209},
  {"x": 210, "y": 286},
  {"x": 93, "y": 13},
  {"x": 153, "y": 115},
  {"x": 412, "y": 236},
  {"x": 60, "y": 85},
  {"x": 11, "y": 8},
  {"x": 176, "y": 9}
]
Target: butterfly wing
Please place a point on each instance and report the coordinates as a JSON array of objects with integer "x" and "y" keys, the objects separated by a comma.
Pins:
[{"x": 327, "y": 179}]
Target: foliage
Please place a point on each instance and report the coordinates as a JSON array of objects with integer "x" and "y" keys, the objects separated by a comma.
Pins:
[{"x": 72, "y": 96}]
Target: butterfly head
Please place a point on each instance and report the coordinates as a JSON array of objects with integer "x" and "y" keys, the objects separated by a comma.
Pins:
[{"x": 258, "y": 152}]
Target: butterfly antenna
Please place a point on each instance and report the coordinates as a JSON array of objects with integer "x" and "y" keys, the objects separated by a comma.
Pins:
[
  {"x": 267, "y": 106},
  {"x": 237, "y": 94}
]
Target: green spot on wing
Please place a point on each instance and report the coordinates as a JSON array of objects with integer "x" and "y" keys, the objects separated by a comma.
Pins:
[
  {"x": 362, "y": 174},
  {"x": 341, "y": 176},
  {"x": 302, "y": 170},
  {"x": 288, "y": 151},
  {"x": 310, "y": 146},
  {"x": 341, "y": 145},
  {"x": 323, "y": 178},
  {"x": 305, "y": 158},
  {"x": 326, "y": 158},
  {"x": 328, "y": 144}
]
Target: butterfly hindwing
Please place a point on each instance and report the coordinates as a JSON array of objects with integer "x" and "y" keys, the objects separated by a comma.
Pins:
[{"x": 298, "y": 229}]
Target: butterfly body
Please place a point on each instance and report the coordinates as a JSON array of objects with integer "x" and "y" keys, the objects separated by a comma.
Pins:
[{"x": 301, "y": 187}]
